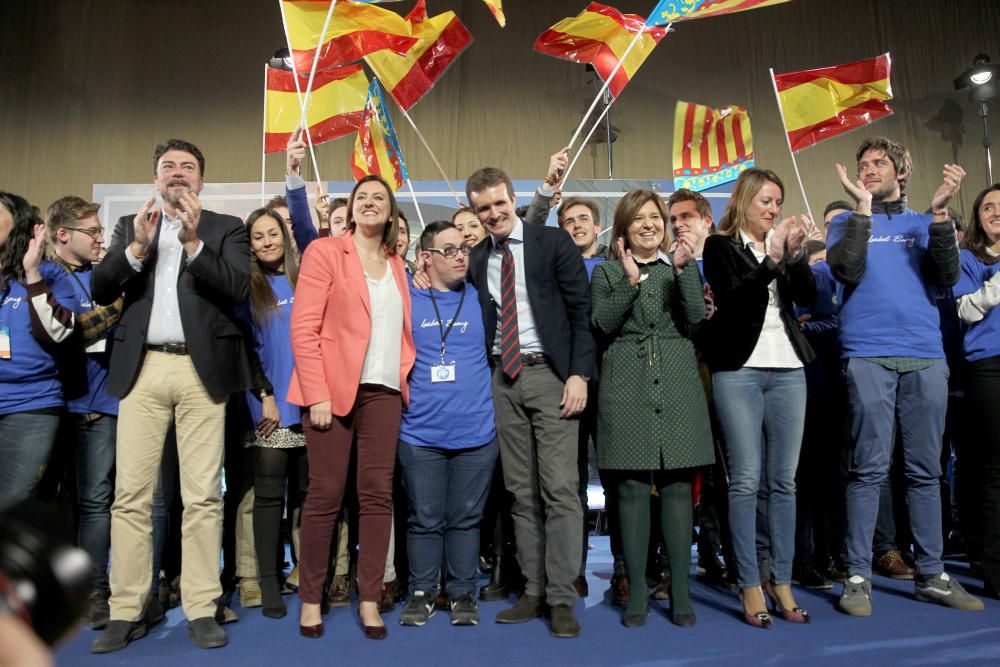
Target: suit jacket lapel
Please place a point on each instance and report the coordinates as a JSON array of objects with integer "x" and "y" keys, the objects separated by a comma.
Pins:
[{"x": 358, "y": 276}]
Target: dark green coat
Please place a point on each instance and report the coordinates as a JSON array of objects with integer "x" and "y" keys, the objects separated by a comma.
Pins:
[{"x": 651, "y": 408}]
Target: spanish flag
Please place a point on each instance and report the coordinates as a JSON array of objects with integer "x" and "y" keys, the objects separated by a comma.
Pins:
[
  {"x": 440, "y": 40},
  {"x": 600, "y": 35},
  {"x": 711, "y": 146},
  {"x": 817, "y": 104},
  {"x": 355, "y": 30},
  {"x": 497, "y": 9},
  {"x": 669, "y": 11},
  {"x": 376, "y": 150},
  {"x": 335, "y": 105}
]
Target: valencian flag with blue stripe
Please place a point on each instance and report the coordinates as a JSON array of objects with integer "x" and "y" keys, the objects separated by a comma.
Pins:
[
  {"x": 670, "y": 11},
  {"x": 376, "y": 150},
  {"x": 711, "y": 146}
]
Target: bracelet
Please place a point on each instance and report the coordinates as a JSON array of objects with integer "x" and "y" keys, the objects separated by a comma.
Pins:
[{"x": 550, "y": 181}]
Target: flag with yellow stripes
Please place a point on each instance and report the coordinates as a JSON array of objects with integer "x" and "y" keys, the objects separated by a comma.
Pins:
[
  {"x": 600, "y": 35},
  {"x": 711, "y": 146},
  {"x": 376, "y": 150},
  {"x": 821, "y": 103},
  {"x": 496, "y": 8},
  {"x": 335, "y": 105}
]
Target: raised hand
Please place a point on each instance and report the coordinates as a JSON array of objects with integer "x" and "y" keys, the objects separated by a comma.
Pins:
[
  {"x": 190, "y": 214},
  {"x": 779, "y": 238},
  {"x": 629, "y": 267},
  {"x": 295, "y": 153},
  {"x": 322, "y": 206},
  {"x": 557, "y": 165},
  {"x": 856, "y": 190},
  {"x": 796, "y": 236},
  {"x": 33, "y": 256},
  {"x": 144, "y": 226},
  {"x": 952, "y": 181},
  {"x": 684, "y": 249}
]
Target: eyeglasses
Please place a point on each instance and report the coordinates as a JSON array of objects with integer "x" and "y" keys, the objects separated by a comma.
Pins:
[
  {"x": 92, "y": 232},
  {"x": 450, "y": 251}
]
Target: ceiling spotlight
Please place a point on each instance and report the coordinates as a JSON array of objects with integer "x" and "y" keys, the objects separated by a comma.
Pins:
[{"x": 981, "y": 78}]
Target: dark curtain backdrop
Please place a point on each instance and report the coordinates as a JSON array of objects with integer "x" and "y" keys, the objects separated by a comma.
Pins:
[{"x": 88, "y": 87}]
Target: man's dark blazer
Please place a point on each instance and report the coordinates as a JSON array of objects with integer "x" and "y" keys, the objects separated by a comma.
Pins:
[
  {"x": 208, "y": 290},
  {"x": 739, "y": 284},
  {"x": 560, "y": 297}
]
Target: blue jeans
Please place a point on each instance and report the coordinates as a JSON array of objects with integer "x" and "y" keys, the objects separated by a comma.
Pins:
[
  {"x": 447, "y": 490},
  {"x": 878, "y": 397},
  {"x": 26, "y": 442},
  {"x": 762, "y": 413},
  {"x": 94, "y": 447}
]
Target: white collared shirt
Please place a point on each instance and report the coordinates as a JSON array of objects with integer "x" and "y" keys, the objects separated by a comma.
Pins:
[
  {"x": 384, "y": 346},
  {"x": 527, "y": 332},
  {"x": 774, "y": 347},
  {"x": 165, "y": 318}
]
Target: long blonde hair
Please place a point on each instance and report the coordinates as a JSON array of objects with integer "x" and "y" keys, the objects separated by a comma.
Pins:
[{"x": 748, "y": 185}]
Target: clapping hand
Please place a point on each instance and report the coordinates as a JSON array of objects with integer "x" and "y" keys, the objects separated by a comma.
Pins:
[
  {"x": 628, "y": 264},
  {"x": 797, "y": 236},
  {"x": 34, "y": 254},
  {"x": 190, "y": 214},
  {"x": 684, "y": 249},
  {"x": 144, "y": 226},
  {"x": 953, "y": 176},
  {"x": 857, "y": 191}
]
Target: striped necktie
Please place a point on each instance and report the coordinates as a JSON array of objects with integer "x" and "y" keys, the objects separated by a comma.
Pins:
[{"x": 510, "y": 344}]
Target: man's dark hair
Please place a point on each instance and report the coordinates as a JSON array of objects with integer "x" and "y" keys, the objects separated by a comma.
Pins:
[
  {"x": 432, "y": 230},
  {"x": 277, "y": 201},
  {"x": 337, "y": 202},
  {"x": 179, "y": 145},
  {"x": 700, "y": 203},
  {"x": 895, "y": 151},
  {"x": 569, "y": 202},
  {"x": 839, "y": 205},
  {"x": 485, "y": 178}
]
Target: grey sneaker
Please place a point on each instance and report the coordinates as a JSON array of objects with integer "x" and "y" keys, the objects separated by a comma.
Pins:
[
  {"x": 418, "y": 610},
  {"x": 464, "y": 610},
  {"x": 856, "y": 600},
  {"x": 946, "y": 591}
]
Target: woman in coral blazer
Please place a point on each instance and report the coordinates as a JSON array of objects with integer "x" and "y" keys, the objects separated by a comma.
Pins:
[{"x": 353, "y": 350}]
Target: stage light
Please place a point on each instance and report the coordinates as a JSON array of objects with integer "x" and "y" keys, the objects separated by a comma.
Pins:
[{"x": 982, "y": 80}]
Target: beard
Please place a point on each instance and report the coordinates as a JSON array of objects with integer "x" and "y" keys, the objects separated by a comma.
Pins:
[{"x": 173, "y": 194}]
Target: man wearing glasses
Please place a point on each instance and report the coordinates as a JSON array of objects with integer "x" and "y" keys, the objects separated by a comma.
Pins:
[
  {"x": 76, "y": 239},
  {"x": 447, "y": 440}
]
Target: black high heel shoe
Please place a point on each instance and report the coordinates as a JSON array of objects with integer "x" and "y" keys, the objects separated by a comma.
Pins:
[{"x": 794, "y": 615}]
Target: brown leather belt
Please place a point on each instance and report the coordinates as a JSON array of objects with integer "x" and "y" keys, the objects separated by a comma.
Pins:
[{"x": 169, "y": 348}]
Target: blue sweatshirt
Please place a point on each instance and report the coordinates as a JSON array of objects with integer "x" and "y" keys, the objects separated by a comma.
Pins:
[
  {"x": 982, "y": 340},
  {"x": 449, "y": 415},
  {"x": 274, "y": 347},
  {"x": 29, "y": 380},
  {"x": 94, "y": 397},
  {"x": 891, "y": 312}
]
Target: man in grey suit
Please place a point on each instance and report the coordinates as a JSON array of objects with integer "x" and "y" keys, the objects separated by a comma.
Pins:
[{"x": 177, "y": 354}]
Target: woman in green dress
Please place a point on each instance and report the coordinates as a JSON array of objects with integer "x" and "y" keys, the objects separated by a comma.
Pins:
[{"x": 652, "y": 420}]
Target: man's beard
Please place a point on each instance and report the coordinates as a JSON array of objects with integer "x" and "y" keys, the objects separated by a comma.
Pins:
[{"x": 173, "y": 196}]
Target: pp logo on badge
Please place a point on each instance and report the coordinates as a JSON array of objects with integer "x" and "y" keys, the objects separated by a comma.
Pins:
[{"x": 443, "y": 372}]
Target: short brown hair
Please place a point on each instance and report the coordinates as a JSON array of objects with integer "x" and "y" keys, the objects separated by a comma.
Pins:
[
  {"x": 569, "y": 202},
  {"x": 626, "y": 210},
  {"x": 67, "y": 210},
  {"x": 896, "y": 152},
  {"x": 748, "y": 185},
  {"x": 700, "y": 203},
  {"x": 178, "y": 145},
  {"x": 485, "y": 178},
  {"x": 277, "y": 201},
  {"x": 391, "y": 231}
]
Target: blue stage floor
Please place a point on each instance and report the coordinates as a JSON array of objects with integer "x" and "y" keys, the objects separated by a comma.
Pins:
[{"x": 901, "y": 632}]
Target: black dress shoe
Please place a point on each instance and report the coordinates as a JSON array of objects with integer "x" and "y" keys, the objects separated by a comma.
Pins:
[
  {"x": 207, "y": 633},
  {"x": 497, "y": 588},
  {"x": 117, "y": 635}
]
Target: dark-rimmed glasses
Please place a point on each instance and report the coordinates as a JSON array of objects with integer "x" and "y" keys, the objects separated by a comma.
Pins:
[{"x": 450, "y": 251}]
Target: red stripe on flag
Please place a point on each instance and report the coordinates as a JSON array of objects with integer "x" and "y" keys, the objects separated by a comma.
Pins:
[
  {"x": 325, "y": 130},
  {"x": 350, "y": 47},
  {"x": 594, "y": 51},
  {"x": 720, "y": 139},
  {"x": 706, "y": 136},
  {"x": 851, "y": 119},
  {"x": 688, "y": 136},
  {"x": 283, "y": 81},
  {"x": 430, "y": 66},
  {"x": 631, "y": 22},
  {"x": 856, "y": 73},
  {"x": 741, "y": 149}
]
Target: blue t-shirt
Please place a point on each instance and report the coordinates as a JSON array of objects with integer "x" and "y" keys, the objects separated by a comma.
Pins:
[
  {"x": 29, "y": 380},
  {"x": 449, "y": 415},
  {"x": 590, "y": 263},
  {"x": 892, "y": 312},
  {"x": 274, "y": 347},
  {"x": 982, "y": 340},
  {"x": 94, "y": 397}
]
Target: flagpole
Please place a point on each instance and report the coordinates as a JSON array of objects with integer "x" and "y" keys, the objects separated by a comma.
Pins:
[
  {"x": 618, "y": 66},
  {"x": 312, "y": 72},
  {"x": 420, "y": 216},
  {"x": 263, "y": 143},
  {"x": 426, "y": 145},
  {"x": 788, "y": 142},
  {"x": 298, "y": 91},
  {"x": 565, "y": 174}
]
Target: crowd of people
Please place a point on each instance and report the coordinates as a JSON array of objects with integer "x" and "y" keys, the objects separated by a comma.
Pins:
[{"x": 814, "y": 398}]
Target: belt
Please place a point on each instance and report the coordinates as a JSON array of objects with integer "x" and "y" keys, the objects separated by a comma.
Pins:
[
  {"x": 527, "y": 358},
  {"x": 169, "y": 348}
]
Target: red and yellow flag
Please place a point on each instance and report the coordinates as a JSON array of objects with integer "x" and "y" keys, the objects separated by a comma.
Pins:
[
  {"x": 376, "y": 150},
  {"x": 711, "y": 146},
  {"x": 497, "y": 10},
  {"x": 600, "y": 35},
  {"x": 335, "y": 108},
  {"x": 821, "y": 103},
  {"x": 440, "y": 40},
  {"x": 355, "y": 30}
]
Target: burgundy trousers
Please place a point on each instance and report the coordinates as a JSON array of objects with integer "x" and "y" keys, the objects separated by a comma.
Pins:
[{"x": 373, "y": 427}]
